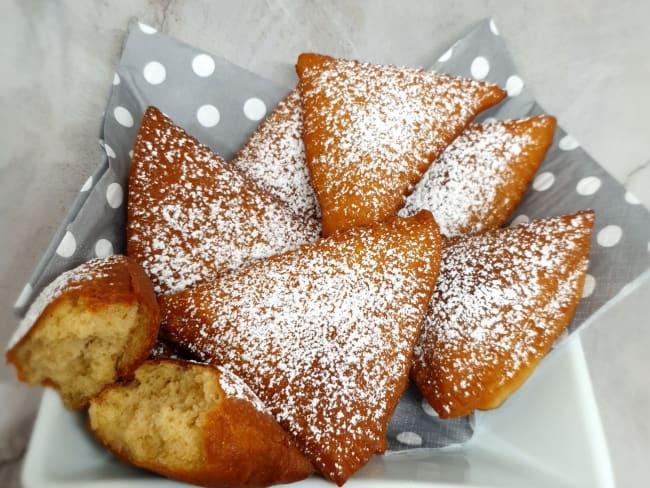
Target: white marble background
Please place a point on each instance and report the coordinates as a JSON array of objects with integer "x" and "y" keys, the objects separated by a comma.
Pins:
[{"x": 586, "y": 62}]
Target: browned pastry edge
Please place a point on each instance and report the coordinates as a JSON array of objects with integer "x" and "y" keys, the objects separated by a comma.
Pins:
[{"x": 480, "y": 178}]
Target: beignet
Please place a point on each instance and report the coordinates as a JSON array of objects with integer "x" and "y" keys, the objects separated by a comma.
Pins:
[
  {"x": 371, "y": 131},
  {"x": 479, "y": 180},
  {"x": 192, "y": 216},
  {"x": 274, "y": 158},
  {"x": 501, "y": 300},
  {"x": 323, "y": 335}
]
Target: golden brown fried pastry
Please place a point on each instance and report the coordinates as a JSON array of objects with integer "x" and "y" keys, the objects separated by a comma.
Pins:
[
  {"x": 192, "y": 216},
  {"x": 371, "y": 131},
  {"x": 501, "y": 300},
  {"x": 323, "y": 335},
  {"x": 195, "y": 423},
  {"x": 90, "y": 327},
  {"x": 479, "y": 180},
  {"x": 274, "y": 158}
]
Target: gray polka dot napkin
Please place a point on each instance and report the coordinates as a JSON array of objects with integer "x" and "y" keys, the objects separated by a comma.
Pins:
[{"x": 221, "y": 104}]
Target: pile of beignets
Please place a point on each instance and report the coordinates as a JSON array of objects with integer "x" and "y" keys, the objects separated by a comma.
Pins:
[{"x": 270, "y": 310}]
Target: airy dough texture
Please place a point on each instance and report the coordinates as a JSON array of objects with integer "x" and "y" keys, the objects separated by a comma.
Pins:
[
  {"x": 92, "y": 326},
  {"x": 78, "y": 350},
  {"x": 160, "y": 415},
  {"x": 197, "y": 424}
]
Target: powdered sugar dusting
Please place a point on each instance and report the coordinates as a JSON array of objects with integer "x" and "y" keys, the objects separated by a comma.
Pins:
[
  {"x": 494, "y": 304},
  {"x": 322, "y": 335},
  {"x": 193, "y": 216},
  {"x": 464, "y": 187},
  {"x": 235, "y": 387},
  {"x": 274, "y": 158},
  {"x": 370, "y": 131},
  {"x": 70, "y": 280}
]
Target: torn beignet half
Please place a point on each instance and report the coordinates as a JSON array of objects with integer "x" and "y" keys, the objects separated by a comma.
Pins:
[
  {"x": 195, "y": 423},
  {"x": 90, "y": 327}
]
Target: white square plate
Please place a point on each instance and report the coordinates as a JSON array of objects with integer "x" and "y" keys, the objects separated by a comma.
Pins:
[{"x": 547, "y": 434}]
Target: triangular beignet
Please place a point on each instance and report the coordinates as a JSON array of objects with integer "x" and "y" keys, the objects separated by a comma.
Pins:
[
  {"x": 323, "y": 335},
  {"x": 501, "y": 300},
  {"x": 192, "y": 216},
  {"x": 479, "y": 180},
  {"x": 274, "y": 158},
  {"x": 371, "y": 131}
]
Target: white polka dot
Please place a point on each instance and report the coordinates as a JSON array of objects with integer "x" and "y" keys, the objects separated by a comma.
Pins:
[
  {"x": 67, "y": 246},
  {"x": 446, "y": 56},
  {"x": 543, "y": 181},
  {"x": 103, "y": 248},
  {"x": 208, "y": 115},
  {"x": 588, "y": 287},
  {"x": 24, "y": 296},
  {"x": 428, "y": 409},
  {"x": 609, "y": 235},
  {"x": 409, "y": 438},
  {"x": 631, "y": 198},
  {"x": 588, "y": 185},
  {"x": 203, "y": 65},
  {"x": 480, "y": 68},
  {"x": 489, "y": 120},
  {"x": 154, "y": 72},
  {"x": 109, "y": 151},
  {"x": 254, "y": 109},
  {"x": 520, "y": 219},
  {"x": 493, "y": 27},
  {"x": 568, "y": 143},
  {"x": 116, "y": 79},
  {"x": 147, "y": 29},
  {"x": 131, "y": 153},
  {"x": 123, "y": 116},
  {"x": 114, "y": 195},
  {"x": 87, "y": 185},
  {"x": 514, "y": 85}
]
